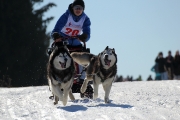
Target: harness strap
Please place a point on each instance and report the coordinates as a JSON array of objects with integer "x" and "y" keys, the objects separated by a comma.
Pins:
[
  {"x": 102, "y": 80},
  {"x": 72, "y": 69},
  {"x": 78, "y": 75},
  {"x": 57, "y": 78},
  {"x": 98, "y": 74}
]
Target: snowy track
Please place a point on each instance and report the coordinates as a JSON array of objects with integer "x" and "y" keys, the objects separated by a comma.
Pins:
[{"x": 153, "y": 100}]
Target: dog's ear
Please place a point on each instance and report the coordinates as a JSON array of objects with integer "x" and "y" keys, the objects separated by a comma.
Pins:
[
  {"x": 113, "y": 49},
  {"x": 56, "y": 48},
  {"x": 65, "y": 47},
  {"x": 106, "y": 47},
  {"x": 55, "y": 51}
]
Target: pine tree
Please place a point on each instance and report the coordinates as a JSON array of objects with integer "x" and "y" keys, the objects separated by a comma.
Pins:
[{"x": 23, "y": 42}]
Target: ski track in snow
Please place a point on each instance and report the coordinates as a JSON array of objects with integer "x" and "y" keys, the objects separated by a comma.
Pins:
[{"x": 146, "y": 100}]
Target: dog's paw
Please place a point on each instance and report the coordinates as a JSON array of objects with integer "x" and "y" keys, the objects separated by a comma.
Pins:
[
  {"x": 82, "y": 90},
  {"x": 51, "y": 97},
  {"x": 64, "y": 103},
  {"x": 106, "y": 100},
  {"x": 55, "y": 103}
]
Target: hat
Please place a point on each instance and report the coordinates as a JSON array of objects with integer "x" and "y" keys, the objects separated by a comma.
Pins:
[
  {"x": 160, "y": 53},
  {"x": 78, "y": 2}
]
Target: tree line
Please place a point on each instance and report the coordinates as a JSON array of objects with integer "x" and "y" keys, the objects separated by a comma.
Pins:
[{"x": 23, "y": 42}]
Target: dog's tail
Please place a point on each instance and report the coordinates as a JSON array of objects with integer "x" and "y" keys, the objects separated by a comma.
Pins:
[{"x": 82, "y": 58}]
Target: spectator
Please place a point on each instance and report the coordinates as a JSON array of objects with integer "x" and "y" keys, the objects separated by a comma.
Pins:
[
  {"x": 161, "y": 66},
  {"x": 131, "y": 78},
  {"x": 139, "y": 78},
  {"x": 169, "y": 65},
  {"x": 177, "y": 66},
  {"x": 149, "y": 78},
  {"x": 156, "y": 70}
]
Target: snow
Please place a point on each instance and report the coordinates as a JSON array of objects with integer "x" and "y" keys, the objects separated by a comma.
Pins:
[{"x": 145, "y": 100}]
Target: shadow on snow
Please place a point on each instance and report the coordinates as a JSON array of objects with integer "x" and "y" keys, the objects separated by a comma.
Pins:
[
  {"x": 96, "y": 103},
  {"x": 74, "y": 108},
  {"x": 113, "y": 105}
]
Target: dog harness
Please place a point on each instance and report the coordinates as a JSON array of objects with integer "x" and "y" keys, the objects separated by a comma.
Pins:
[
  {"x": 57, "y": 78},
  {"x": 73, "y": 28},
  {"x": 106, "y": 73},
  {"x": 61, "y": 79}
]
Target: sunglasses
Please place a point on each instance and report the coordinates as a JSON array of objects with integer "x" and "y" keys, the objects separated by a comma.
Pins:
[{"x": 77, "y": 7}]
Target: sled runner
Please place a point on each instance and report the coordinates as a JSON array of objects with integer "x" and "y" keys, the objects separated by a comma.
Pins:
[{"x": 77, "y": 83}]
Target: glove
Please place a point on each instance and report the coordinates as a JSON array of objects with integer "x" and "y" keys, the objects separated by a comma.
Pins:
[
  {"x": 83, "y": 37},
  {"x": 56, "y": 36}
]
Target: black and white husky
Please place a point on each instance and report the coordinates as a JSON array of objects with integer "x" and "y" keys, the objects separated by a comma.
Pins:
[
  {"x": 60, "y": 74},
  {"x": 101, "y": 69}
]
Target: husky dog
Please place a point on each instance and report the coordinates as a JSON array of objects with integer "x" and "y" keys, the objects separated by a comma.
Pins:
[
  {"x": 101, "y": 69},
  {"x": 60, "y": 74}
]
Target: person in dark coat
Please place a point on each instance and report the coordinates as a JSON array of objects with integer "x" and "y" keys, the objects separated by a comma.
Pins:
[
  {"x": 176, "y": 66},
  {"x": 169, "y": 65},
  {"x": 75, "y": 25},
  {"x": 161, "y": 66},
  {"x": 149, "y": 78},
  {"x": 155, "y": 69}
]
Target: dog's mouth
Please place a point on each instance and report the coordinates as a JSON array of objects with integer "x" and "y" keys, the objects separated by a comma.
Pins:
[
  {"x": 63, "y": 65},
  {"x": 107, "y": 62}
]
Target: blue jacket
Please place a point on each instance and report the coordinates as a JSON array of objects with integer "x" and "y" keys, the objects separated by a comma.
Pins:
[{"x": 63, "y": 20}]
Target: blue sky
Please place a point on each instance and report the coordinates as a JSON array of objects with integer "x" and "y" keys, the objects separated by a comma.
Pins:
[{"x": 137, "y": 29}]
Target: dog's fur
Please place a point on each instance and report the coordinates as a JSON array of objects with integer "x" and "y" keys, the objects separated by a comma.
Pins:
[
  {"x": 60, "y": 74},
  {"x": 101, "y": 69}
]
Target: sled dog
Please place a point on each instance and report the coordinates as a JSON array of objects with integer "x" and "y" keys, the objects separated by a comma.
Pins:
[
  {"x": 100, "y": 68},
  {"x": 60, "y": 74}
]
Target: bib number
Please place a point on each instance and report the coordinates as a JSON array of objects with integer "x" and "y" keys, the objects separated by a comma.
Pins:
[{"x": 72, "y": 32}]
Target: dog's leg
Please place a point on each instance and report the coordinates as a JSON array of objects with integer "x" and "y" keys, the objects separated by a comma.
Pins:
[
  {"x": 96, "y": 87},
  {"x": 107, "y": 88},
  {"x": 84, "y": 86},
  {"x": 51, "y": 97},
  {"x": 71, "y": 96},
  {"x": 65, "y": 97},
  {"x": 107, "y": 91},
  {"x": 85, "y": 83},
  {"x": 56, "y": 90},
  {"x": 56, "y": 100},
  {"x": 66, "y": 91}
]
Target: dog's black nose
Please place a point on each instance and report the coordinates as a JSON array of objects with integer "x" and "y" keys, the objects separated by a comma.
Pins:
[
  {"x": 65, "y": 59},
  {"x": 106, "y": 56}
]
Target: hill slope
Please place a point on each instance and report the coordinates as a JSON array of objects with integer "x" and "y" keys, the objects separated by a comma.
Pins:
[{"x": 153, "y": 100}]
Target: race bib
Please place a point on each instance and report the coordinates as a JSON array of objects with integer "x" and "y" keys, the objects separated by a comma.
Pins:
[
  {"x": 72, "y": 32},
  {"x": 73, "y": 28}
]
